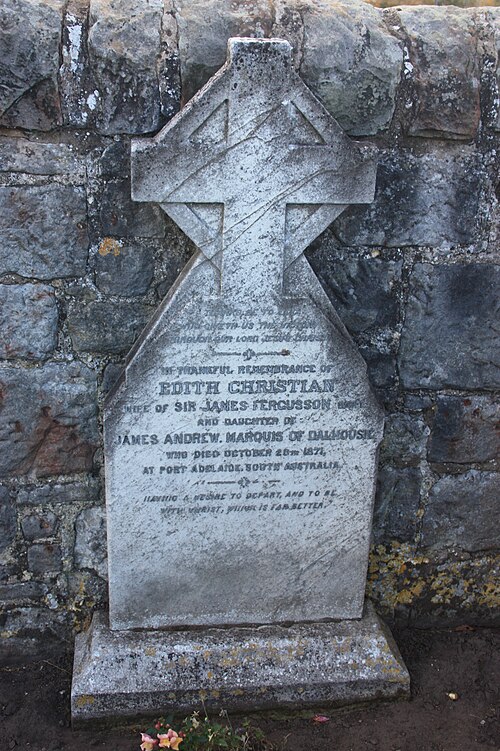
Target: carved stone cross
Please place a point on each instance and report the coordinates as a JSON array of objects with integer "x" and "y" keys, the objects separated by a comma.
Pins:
[
  {"x": 241, "y": 443},
  {"x": 253, "y": 169}
]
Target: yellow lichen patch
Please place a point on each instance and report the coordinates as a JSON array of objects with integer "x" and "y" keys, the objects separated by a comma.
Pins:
[
  {"x": 85, "y": 700},
  {"x": 109, "y": 245}
]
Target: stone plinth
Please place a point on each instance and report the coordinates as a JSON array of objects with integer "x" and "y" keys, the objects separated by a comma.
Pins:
[{"x": 124, "y": 674}]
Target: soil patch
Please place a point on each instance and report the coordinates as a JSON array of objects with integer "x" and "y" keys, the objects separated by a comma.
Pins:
[{"x": 34, "y": 705}]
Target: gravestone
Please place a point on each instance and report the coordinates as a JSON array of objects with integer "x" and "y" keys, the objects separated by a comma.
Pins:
[{"x": 241, "y": 441}]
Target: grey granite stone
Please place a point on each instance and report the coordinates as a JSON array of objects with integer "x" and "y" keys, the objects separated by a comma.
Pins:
[
  {"x": 204, "y": 28},
  {"x": 244, "y": 406},
  {"x": 405, "y": 439},
  {"x": 363, "y": 291},
  {"x": 22, "y": 593},
  {"x": 120, "y": 674},
  {"x": 48, "y": 422},
  {"x": 352, "y": 63},
  {"x": 43, "y": 231},
  {"x": 79, "y": 96},
  {"x": 90, "y": 540},
  {"x": 105, "y": 327},
  {"x": 462, "y": 512},
  {"x": 442, "y": 68},
  {"x": 72, "y": 492},
  {"x": 29, "y": 62},
  {"x": 128, "y": 271},
  {"x": 124, "y": 48},
  {"x": 8, "y": 519},
  {"x": 44, "y": 558},
  {"x": 28, "y": 321},
  {"x": 121, "y": 217},
  {"x": 40, "y": 524},
  {"x": 450, "y": 336},
  {"x": 111, "y": 374},
  {"x": 464, "y": 430},
  {"x": 430, "y": 197},
  {"x": 396, "y": 504},
  {"x": 34, "y": 158}
]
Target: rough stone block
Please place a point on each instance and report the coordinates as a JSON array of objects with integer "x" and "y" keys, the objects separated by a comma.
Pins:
[
  {"x": 8, "y": 519},
  {"x": 28, "y": 321},
  {"x": 79, "y": 96},
  {"x": 43, "y": 231},
  {"x": 450, "y": 336},
  {"x": 29, "y": 63},
  {"x": 442, "y": 68},
  {"x": 122, "y": 217},
  {"x": 48, "y": 422},
  {"x": 363, "y": 291},
  {"x": 124, "y": 48},
  {"x": 405, "y": 439},
  {"x": 39, "y": 525},
  {"x": 72, "y": 492},
  {"x": 396, "y": 504},
  {"x": 105, "y": 327},
  {"x": 204, "y": 28},
  {"x": 432, "y": 198},
  {"x": 44, "y": 558},
  {"x": 34, "y": 158},
  {"x": 22, "y": 593},
  {"x": 90, "y": 541},
  {"x": 242, "y": 668},
  {"x": 128, "y": 271},
  {"x": 464, "y": 430},
  {"x": 462, "y": 512},
  {"x": 352, "y": 63}
]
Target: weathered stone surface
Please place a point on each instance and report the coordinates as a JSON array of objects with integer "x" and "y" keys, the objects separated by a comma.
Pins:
[
  {"x": 269, "y": 667},
  {"x": 124, "y": 48},
  {"x": 430, "y": 198},
  {"x": 29, "y": 61},
  {"x": 212, "y": 437},
  {"x": 72, "y": 492},
  {"x": 111, "y": 374},
  {"x": 464, "y": 430},
  {"x": 79, "y": 97},
  {"x": 105, "y": 327},
  {"x": 48, "y": 422},
  {"x": 43, "y": 231},
  {"x": 90, "y": 542},
  {"x": 127, "y": 271},
  {"x": 44, "y": 558},
  {"x": 28, "y": 321},
  {"x": 39, "y": 525},
  {"x": 8, "y": 517},
  {"x": 442, "y": 67},
  {"x": 396, "y": 504},
  {"x": 121, "y": 217},
  {"x": 34, "y": 158},
  {"x": 363, "y": 291},
  {"x": 405, "y": 439},
  {"x": 22, "y": 593},
  {"x": 352, "y": 63},
  {"x": 462, "y": 512},
  {"x": 169, "y": 78},
  {"x": 204, "y": 28},
  {"x": 450, "y": 336}
]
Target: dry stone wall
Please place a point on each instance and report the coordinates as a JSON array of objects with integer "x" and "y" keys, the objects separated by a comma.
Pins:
[{"x": 414, "y": 276}]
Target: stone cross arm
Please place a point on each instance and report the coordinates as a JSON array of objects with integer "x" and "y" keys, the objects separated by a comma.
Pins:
[{"x": 250, "y": 149}]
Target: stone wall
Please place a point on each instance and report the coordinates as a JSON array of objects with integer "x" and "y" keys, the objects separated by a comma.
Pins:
[{"x": 414, "y": 276}]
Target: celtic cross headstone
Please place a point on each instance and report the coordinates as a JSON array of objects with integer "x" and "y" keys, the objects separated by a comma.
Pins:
[{"x": 241, "y": 442}]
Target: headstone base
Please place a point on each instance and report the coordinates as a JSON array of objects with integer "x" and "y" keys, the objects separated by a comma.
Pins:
[{"x": 122, "y": 675}]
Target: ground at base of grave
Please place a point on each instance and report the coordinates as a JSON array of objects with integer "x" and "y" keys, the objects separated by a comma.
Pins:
[{"x": 455, "y": 705}]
